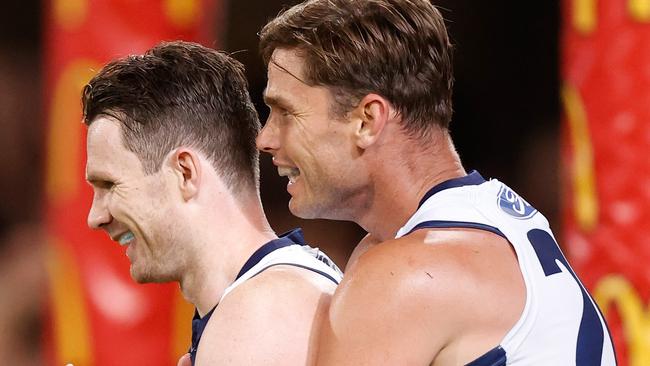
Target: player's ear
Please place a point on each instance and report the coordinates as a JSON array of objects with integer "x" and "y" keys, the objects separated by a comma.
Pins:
[
  {"x": 186, "y": 166},
  {"x": 371, "y": 114}
]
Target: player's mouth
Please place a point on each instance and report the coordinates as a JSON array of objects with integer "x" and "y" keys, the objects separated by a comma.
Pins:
[
  {"x": 126, "y": 238},
  {"x": 290, "y": 172}
]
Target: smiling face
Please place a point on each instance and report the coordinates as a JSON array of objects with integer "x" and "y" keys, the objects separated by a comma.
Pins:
[
  {"x": 134, "y": 209},
  {"x": 315, "y": 150}
]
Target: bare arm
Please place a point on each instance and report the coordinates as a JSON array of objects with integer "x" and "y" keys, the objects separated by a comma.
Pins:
[{"x": 272, "y": 319}]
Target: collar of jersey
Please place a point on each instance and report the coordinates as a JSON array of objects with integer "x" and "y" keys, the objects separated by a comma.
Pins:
[
  {"x": 292, "y": 237},
  {"x": 471, "y": 179}
]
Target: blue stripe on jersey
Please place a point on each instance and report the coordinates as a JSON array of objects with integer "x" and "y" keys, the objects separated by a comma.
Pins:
[
  {"x": 589, "y": 348},
  {"x": 474, "y": 178},
  {"x": 301, "y": 266},
  {"x": 495, "y": 357},
  {"x": 440, "y": 224},
  {"x": 289, "y": 238}
]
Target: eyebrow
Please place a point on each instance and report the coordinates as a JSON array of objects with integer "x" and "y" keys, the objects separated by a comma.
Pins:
[{"x": 276, "y": 100}]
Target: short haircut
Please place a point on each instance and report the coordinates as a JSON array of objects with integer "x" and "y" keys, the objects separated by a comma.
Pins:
[
  {"x": 398, "y": 49},
  {"x": 180, "y": 94}
]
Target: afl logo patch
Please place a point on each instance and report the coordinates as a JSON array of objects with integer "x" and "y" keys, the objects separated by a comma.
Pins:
[{"x": 515, "y": 206}]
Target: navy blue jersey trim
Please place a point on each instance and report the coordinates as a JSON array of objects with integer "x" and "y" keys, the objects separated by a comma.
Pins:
[
  {"x": 198, "y": 326},
  {"x": 495, "y": 357},
  {"x": 289, "y": 238},
  {"x": 471, "y": 179},
  {"x": 301, "y": 266},
  {"x": 589, "y": 347},
  {"x": 439, "y": 224}
]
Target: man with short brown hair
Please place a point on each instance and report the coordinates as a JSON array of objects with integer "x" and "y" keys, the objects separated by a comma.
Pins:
[
  {"x": 174, "y": 170},
  {"x": 455, "y": 269}
]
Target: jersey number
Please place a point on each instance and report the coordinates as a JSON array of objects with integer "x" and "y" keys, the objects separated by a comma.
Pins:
[{"x": 590, "y": 336}]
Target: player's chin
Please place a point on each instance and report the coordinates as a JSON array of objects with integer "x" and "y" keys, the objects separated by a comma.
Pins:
[
  {"x": 299, "y": 208},
  {"x": 154, "y": 274},
  {"x": 139, "y": 277},
  {"x": 142, "y": 275},
  {"x": 305, "y": 209}
]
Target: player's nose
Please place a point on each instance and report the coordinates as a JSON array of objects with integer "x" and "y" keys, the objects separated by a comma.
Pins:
[
  {"x": 98, "y": 215},
  {"x": 268, "y": 138}
]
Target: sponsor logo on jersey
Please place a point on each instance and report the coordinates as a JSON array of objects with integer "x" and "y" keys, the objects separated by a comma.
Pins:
[{"x": 515, "y": 206}]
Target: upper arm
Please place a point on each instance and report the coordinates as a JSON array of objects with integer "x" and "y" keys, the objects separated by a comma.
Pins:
[
  {"x": 272, "y": 319},
  {"x": 390, "y": 310}
]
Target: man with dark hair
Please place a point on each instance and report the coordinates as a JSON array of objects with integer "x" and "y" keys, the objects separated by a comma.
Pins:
[
  {"x": 455, "y": 269},
  {"x": 174, "y": 169}
]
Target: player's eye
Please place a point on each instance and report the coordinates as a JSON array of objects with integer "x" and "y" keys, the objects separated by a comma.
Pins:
[{"x": 104, "y": 184}]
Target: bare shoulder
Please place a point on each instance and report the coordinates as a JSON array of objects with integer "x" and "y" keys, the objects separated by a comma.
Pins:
[
  {"x": 439, "y": 259},
  {"x": 410, "y": 274},
  {"x": 428, "y": 290},
  {"x": 271, "y": 319},
  {"x": 364, "y": 245}
]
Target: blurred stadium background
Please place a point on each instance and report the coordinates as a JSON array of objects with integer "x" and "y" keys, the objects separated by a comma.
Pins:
[{"x": 551, "y": 97}]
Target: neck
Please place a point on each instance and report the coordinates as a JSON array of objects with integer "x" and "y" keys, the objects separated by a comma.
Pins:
[
  {"x": 401, "y": 184},
  {"x": 225, "y": 237}
]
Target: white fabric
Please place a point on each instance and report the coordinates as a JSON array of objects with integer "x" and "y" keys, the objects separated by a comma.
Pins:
[
  {"x": 302, "y": 255},
  {"x": 547, "y": 332}
]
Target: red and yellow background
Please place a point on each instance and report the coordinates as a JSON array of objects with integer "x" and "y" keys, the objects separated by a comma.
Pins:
[
  {"x": 95, "y": 313},
  {"x": 606, "y": 157}
]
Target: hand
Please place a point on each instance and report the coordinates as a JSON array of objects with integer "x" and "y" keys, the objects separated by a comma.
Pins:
[{"x": 185, "y": 360}]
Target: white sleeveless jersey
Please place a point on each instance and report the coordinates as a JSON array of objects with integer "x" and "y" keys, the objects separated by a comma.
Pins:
[
  {"x": 560, "y": 323},
  {"x": 289, "y": 249},
  {"x": 297, "y": 255}
]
